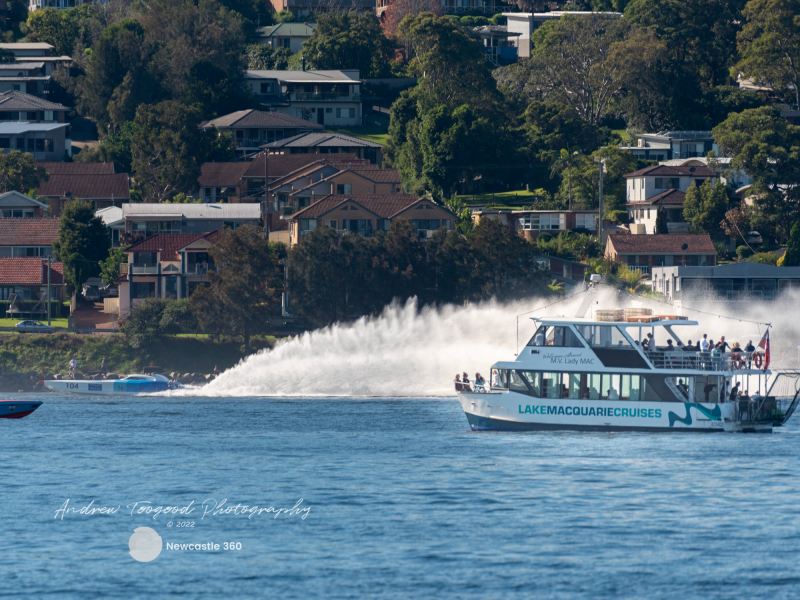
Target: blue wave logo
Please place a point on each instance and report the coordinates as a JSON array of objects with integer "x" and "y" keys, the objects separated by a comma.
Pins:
[{"x": 713, "y": 415}]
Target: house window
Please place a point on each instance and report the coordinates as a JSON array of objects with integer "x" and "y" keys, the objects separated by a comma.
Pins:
[
  {"x": 332, "y": 223},
  {"x": 586, "y": 221},
  {"x": 344, "y": 188},
  {"x": 352, "y": 112},
  {"x": 143, "y": 290},
  {"x": 541, "y": 222},
  {"x": 5, "y": 142},
  {"x": 307, "y": 225},
  {"x": 338, "y": 113},
  {"x": 329, "y": 110}
]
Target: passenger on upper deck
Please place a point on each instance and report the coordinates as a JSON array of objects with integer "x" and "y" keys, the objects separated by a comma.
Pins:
[
  {"x": 704, "y": 343},
  {"x": 538, "y": 339},
  {"x": 722, "y": 344},
  {"x": 736, "y": 356},
  {"x": 749, "y": 349},
  {"x": 669, "y": 345},
  {"x": 689, "y": 347}
]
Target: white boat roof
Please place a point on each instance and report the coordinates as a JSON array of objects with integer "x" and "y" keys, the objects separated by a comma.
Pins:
[{"x": 581, "y": 321}]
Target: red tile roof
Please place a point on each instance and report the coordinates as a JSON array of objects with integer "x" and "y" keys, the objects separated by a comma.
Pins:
[
  {"x": 281, "y": 165},
  {"x": 378, "y": 175},
  {"x": 100, "y": 186},
  {"x": 28, "y": 232},
  {"x": 670, "y": 197},
  {"x": 673, "y": 171},
  {"x": 222, "y": 174},
  {"x": 383, "y": 205},
  {"x": 169, "y": 244},
  {"x": 77, "y": 168},
  {"x": 29, "y": 271},
  {"x": 673, "y": 243}
]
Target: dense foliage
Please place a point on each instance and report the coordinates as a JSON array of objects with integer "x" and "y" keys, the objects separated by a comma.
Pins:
[
  {"x": 18, "y": 171},
  {"x": 334, "y": 277},
  {"x": 82, "y": 243}
]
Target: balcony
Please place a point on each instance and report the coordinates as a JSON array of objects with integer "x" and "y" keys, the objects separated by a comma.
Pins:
[
  {"x": 144, "y": 269},
  {"x": 306, "y": 97}
]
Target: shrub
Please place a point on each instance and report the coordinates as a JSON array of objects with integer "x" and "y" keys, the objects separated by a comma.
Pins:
[{"x": 743, "y": 252}]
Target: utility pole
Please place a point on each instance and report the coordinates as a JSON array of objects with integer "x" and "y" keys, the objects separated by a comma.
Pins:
[
  {"x": 602, "y": 165},
  {"x": 267, "y": 209},
  {"x": 49, "y": 297}
]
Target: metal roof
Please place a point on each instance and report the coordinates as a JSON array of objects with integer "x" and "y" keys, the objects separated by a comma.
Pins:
[
  {"x": 19, "y": 127},
  {"x": 332, "y": 76},
  {"x": 144, "y": 210}
]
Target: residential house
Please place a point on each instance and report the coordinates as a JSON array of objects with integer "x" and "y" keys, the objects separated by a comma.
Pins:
[
  {"x": 474, "y": 7},
  {"x": 369, "y": 214},
  {"x": 525, "y": 23},
  {"x": 165, "y": 265},
  {"x": 223, "y": 181},
  {"x": 498, "y": 43},
  {"x": 36, "y": 52},
  {"x": 671, "y": 145},
  {"x": 46, "y": 141},
  {"x": 17, "y": 205},
  {"x": 327, "y": 143},
  {"x": 26, "y": 280},
  {"x": 346, "y": 181},
  {"x": 291, "y": 36},
  {"x": 142, "y": 219},
  {"x": 643, "y": 252},
  {"x": 27, "y": 237},
  {"x": 251, "y": 129},
  {"x": 735, "y": 282},
  {"x": 530, "y": 224},
  {"x": 37, "y": 4},
  {"x": 662, "y": 188},
  {"x": 28, "y": 76},
  {"x": 19, "y": 106},
  {"x": 731, "y": 176},
  {"x": 84, "y": 181},
  {"x": 308, "y": 8},
  {"x": 325, "y": 97}
]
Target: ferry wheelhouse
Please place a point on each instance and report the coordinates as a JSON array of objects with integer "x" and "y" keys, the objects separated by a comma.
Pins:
[{"x": 609, "y": 374}]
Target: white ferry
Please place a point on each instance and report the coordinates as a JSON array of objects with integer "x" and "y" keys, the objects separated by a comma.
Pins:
[{"x": 610, "y": 375}]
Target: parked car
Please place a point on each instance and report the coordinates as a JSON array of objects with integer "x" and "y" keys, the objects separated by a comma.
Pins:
[{"x": 33, "y": 327}]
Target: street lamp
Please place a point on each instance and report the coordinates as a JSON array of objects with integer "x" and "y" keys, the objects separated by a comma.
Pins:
[{"x": 602, "y": 168}]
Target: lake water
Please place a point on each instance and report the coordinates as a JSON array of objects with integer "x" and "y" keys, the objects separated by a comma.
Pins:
[{"x": 404, "y": 502}]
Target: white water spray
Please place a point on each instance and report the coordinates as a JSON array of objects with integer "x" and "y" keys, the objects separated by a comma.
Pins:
[{"x": 409, "y": 352}]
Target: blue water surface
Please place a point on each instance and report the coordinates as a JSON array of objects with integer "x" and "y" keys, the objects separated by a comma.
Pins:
[{"x": 405, "y": 502}]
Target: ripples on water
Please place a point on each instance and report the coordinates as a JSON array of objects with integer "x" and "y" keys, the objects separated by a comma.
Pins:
[{"x": 406, "y": 502}]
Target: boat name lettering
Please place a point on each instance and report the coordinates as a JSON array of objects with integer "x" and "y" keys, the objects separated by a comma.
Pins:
[
  {"x": 590, "y": 411},
  {"x": 572, "y": 358}
]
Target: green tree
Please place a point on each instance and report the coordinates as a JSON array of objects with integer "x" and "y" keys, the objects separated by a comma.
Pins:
[
  {"x": 245, "y": 284},
  {"x": 18, "y": 171},
  {"x": 352, "y": 40},
  {"x": 791, "y": 257},
  {"x": 70, "y": 30},
  {"x": 82, "y": 243},
  {"x": 769, "y": 45},
  {"x": 12, "y": 15},
  {"x": 766, "y": 146},
  {"x": 261, "y": 56},
  {"x": 143, "y": 325},
  {"x": 110, "y": 266},
  {"x": 168, "y": 147},
  {"x": 704, "y": 208}
]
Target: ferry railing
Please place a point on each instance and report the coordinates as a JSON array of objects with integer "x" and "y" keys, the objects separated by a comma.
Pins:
[{"x": 701, "y": 361}]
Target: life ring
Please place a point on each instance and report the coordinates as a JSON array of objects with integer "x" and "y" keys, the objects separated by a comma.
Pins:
[{"x": 758, "y": 360}]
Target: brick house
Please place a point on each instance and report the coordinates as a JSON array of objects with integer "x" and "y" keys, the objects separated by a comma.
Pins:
[{"x": 642, "y": 252}]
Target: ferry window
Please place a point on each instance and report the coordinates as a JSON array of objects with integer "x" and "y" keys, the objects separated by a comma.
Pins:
[
  {"x": 517, "y": 383},
  {"x": 555, "y": 335},
  {"x": 534, "y": 379},
  {"x": 574, "y": 385},
  {"x": 630, "y": 387},
  {"x": 499, "y": 379},
  {"x": 611, "y": 387},
  {"x": 603, "y": 336},
  {"x": 552, "y": 386},
  {"x": 595, "y": 385}
]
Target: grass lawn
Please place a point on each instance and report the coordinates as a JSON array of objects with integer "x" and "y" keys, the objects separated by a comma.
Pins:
[
  {"x": 57, "y": 323},
  {"x": 514, "y": 197},
  {"x": 375, "y": 129}
]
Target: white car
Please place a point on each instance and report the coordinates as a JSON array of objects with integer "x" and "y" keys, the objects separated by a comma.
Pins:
[{"x": 33, "y": 327}]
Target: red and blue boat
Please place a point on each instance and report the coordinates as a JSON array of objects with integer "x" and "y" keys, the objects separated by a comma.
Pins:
[{"x": 16, "y": 409}]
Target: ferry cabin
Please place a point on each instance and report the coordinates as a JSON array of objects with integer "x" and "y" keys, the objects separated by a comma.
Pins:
[{"x": 608, "y": 361}]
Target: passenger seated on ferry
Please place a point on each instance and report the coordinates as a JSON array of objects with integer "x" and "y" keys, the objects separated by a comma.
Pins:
[
  {"x": 457, "y": 382},
  {"x": 538, "y": 339},
  {"x": 480, "y": 382},
  {"x": 669, "y": 345},
  {"x": 689, "y": 347},
  {"x": 612, "y": 394},
  {"x": 736, "y": 356}
]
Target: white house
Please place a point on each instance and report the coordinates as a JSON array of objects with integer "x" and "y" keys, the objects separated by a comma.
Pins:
[
  {"x": 662, "y": 188},
  {"x": 325, "y": 97},
  {"x": 669, "y": 145}
]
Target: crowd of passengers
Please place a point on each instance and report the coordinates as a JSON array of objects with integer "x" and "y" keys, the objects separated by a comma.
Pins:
[
  {"x": 462, "y": 383},
  {"x": 740, "y": 358}
]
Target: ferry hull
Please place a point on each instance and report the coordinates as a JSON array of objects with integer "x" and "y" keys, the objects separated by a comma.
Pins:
[{"x": 511, "y": 411}]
